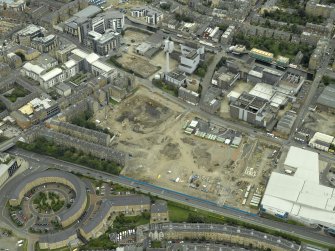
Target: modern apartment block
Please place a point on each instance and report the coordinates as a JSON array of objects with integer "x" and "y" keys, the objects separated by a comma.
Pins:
[
  {"x": 151, "y": 15},
  {"x": 103, "y": 43}
]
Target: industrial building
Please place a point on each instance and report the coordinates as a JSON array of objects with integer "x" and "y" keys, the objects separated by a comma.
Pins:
[
  {"x": 273, "y": 95},
  {"x": 252, "y": 109},
  {"x": 321, "y": 141},
  {"x": 300, "y": 196},
  {"x": 265, "y": 75},
  {"x": 214, "y": 33},
  {"x": 286, "y": 122},
  {"x": 326, "y": 101}
]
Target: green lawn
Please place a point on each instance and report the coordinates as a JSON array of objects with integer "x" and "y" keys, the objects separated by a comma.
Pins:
[
  {"x": 177, "y": 214},
  {"x": 182, "y": 213},
  {"x": 2, "y": 107},
  {"x": 103, "y": 242},
  {"x": 18, "y": 92},
  {"x": 48, "y": 147},
  {"x": 37, "y": 248}
]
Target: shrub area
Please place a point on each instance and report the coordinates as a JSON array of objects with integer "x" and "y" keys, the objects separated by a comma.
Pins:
[{"x": 45, "y": 146}]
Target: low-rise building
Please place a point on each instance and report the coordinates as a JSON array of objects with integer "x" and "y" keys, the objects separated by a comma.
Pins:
[
  {"x": 159, "y": 212},
  {"x": 211, "y": 102},
  {"x": 188, "y": 96},
  {"x": 130, "y": 204},
  {"x": 63, "y": 53},
  {"x": 4, "y": 69},
  {"x": 35, "y": 111},
  {"x": 227, "y": 36},
  {"x": 175, "y": 78},
  {"x": 315, "y": 8},
  {"x": 63, "y": 89},
  {"x": 13, "y": 60},
  {"x": 91, "y": 62},
  {"x": 25, "y": 35},
  {"x": 94, "y": 227},
  {"x": 44, "y": 44},
  {"x": 80, "y": 132},
  {"x": 45, "y": 61}
]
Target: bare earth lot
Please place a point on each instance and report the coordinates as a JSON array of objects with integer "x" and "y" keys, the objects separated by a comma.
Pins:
[
  {"x": 321, "y": 122},
  {"x": 139, "y": 64},
  {"x": 150, "y": 128}
]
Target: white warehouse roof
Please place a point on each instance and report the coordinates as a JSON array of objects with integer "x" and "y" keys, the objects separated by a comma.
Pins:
[
  {"x": 306, "y": 163},
  {"x": 301, "y": 196},
  {"x": 322, "y": 137}
]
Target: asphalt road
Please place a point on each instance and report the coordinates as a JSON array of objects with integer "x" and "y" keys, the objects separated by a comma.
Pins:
[
  {"x": 313, "y": 90},
  {"x": 299, "y": 231}
]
